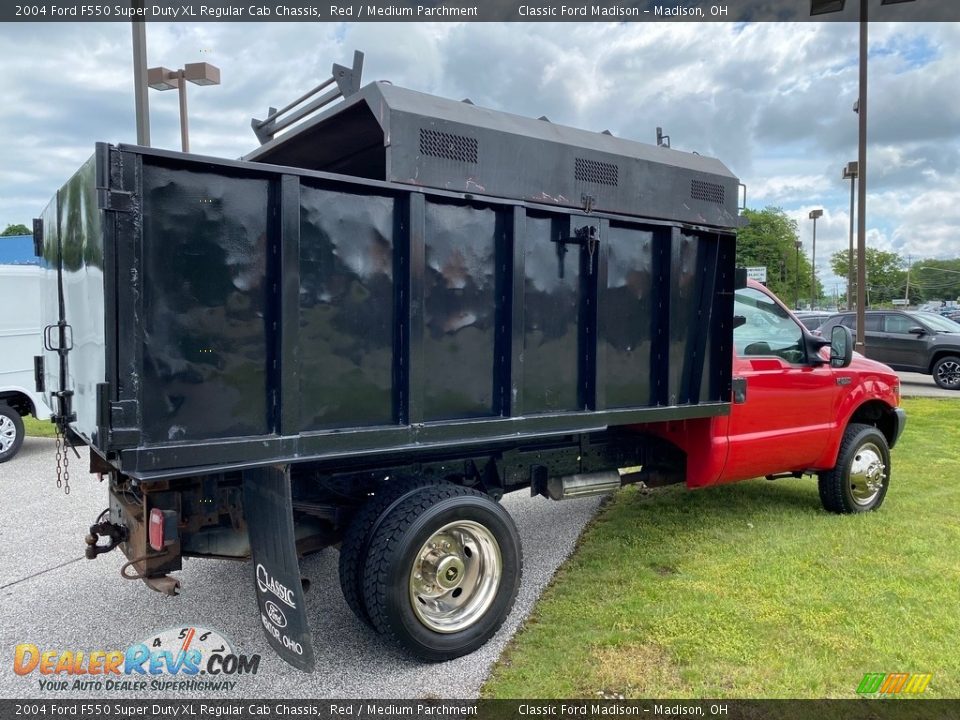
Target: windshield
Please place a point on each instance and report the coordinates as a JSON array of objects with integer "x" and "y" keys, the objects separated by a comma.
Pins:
[{"x": 937, "y": 322}]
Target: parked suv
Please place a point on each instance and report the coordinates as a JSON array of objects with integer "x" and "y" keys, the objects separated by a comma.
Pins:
[
  {"x": 813, "y": 319},
  {"x": 922, "y": 342}
]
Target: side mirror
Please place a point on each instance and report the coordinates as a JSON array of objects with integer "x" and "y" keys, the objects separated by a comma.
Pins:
[
  {"x": 917, "y": 330},
  {"x": 739, "y": 320},
  {"x": 841, "y": 347}
]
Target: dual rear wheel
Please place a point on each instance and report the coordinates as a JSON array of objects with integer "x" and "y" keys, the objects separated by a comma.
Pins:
[{"x": 435, "y": 566}]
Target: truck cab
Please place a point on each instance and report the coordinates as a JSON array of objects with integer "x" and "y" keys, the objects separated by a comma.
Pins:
[
  {"x": 790, "y": 388},
  {"x": 802, "y": 405}
]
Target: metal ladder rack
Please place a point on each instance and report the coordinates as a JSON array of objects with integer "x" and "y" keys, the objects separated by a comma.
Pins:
[{"x": 347, "y": 81}]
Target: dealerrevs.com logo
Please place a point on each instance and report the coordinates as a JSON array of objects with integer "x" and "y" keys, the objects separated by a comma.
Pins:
[{"x": 189, "y": 658}]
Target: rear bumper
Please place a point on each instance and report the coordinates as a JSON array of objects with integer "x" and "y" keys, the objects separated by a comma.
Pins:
[{"x": 900, "y": 420}]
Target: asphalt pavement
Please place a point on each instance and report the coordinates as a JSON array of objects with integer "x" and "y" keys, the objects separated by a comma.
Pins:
[
  {"x": 917, "y": 385},
  {"x": 51, "y": 596}
]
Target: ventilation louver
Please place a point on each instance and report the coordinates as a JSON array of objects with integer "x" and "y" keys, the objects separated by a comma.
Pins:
[
  {"x": 706, "y": 191},
  {"x": 448, "y": 146},
  {"x": 597, "y": 172}
]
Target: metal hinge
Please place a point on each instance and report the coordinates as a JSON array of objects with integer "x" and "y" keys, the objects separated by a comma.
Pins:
[
  {"x": 115, "y": 200},
  {"x": 587, "y": 236}
]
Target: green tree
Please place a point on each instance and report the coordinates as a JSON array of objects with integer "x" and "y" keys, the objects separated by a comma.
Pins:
[
  {"x": 886, "y": 274},
  {"x": 769, "y": 240},
  {"x": 936, "y": 279},
  {"x": 18, "y": 229}
]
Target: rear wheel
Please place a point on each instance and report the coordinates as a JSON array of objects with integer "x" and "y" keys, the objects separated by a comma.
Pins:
[
  {"x": 859, "y": 481},
  {"x": 11, "y": 432},
  {"x": 356, "y": 540},
  {"x": 946, "y": 372},
  {"x": 442, "y": 572}
]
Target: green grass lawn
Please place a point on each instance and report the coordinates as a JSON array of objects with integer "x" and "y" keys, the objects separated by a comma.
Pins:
[
  {"x": 38, "y": 428},
  {"x": 751, "y": 590}
]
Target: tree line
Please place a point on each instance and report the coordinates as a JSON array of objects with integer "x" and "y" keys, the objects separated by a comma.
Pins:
[{"x": 770, "y": 239}]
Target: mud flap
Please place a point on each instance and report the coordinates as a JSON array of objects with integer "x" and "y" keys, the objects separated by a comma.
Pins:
[{"x": 268, "y": 509}]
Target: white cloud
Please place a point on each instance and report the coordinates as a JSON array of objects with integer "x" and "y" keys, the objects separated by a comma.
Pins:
[{"x": 771, "y": 100}]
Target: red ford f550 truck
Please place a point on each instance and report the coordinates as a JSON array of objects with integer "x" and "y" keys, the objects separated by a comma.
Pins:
[{"x": 380, "y": 321}]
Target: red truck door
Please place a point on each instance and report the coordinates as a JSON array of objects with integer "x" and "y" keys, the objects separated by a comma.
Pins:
[{"x": 784, "y": 416}]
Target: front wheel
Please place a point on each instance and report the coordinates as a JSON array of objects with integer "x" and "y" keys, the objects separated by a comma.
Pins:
[
  {"x": 11, "y": 432},
  {"x": 858, "y": 483},
  {"x": 946, "y": 372},
  {"x": 442, "y": 571}
]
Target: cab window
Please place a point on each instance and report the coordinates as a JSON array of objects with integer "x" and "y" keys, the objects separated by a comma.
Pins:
[{"x": 767, "y": 329}]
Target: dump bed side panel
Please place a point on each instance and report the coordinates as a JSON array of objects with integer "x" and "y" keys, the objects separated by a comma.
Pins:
[
  {"x": 73, "y": 255},
  {"x": 259, "y": 314},
  {"x": 206, "y": 291}
]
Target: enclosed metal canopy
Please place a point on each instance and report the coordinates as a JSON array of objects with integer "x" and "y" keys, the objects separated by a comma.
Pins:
[{"x": 390, "y": 133}]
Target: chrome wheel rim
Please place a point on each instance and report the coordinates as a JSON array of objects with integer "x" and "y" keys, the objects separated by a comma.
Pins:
[
  {"x": 949, "y": 373},
  {"x": 455, "y": 576},
  {"x": 867, "y": 474},
  {"x": 8, "y": 433}
]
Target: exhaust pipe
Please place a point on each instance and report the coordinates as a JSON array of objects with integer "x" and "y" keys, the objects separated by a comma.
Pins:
[{"x": 582, "y": 485}]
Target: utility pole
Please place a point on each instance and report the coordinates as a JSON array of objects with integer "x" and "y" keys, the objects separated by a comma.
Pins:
[
  {"x": 906, "y": 295},
  {"x": 814, "y": 295},
  {"x": 141, "y": 101}
]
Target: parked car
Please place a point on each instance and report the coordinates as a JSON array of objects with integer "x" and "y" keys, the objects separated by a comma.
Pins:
[
  {"x": 922, "y": 342},
  {"x": 812, "y": 319}
]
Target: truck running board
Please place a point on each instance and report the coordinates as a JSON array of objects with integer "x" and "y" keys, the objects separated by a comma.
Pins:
[{"x": 268, "y": 509}]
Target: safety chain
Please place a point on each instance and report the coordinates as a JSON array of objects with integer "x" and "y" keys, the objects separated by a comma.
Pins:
[{"x": 63, "y": 463}]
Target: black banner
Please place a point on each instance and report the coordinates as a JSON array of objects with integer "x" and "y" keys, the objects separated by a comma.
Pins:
[
  {"x": 479, "y": 10},
  {"x": 486, "y": 709}
]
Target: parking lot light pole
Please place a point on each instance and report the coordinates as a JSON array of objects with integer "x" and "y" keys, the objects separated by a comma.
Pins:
[
  {"x": 141, "y": 100},
  {"x": 850, "y": 173},
  {"x": 823, "y": 7},
  {"x": 160, "y": 78},
  {"x": 796, "y": 278},
  {"x": 814, "y": 214}
]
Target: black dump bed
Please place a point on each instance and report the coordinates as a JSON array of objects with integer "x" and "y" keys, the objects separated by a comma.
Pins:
[{"x": 470, "y": 277}]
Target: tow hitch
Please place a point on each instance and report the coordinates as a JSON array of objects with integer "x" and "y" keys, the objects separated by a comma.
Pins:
[{"x": 104, "y": 528}]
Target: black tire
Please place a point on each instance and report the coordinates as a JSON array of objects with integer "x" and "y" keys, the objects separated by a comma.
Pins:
[
  {"x": 946, "y": 372},
  {"x": 865, "y": 449},
  {"x": 397, "y": 545},
  {"x": 11, "y": 428},
  {"x": 353, "y": 547}
]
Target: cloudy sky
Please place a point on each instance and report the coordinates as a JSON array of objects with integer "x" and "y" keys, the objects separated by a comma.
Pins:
[{"x": 772, "y": 100}]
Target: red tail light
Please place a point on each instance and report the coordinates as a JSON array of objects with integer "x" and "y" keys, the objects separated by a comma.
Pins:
[{"x": 163, "y": 528}]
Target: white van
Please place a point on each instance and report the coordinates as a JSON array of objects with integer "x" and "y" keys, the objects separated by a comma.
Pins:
[{"x": 20, "y": 341}]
